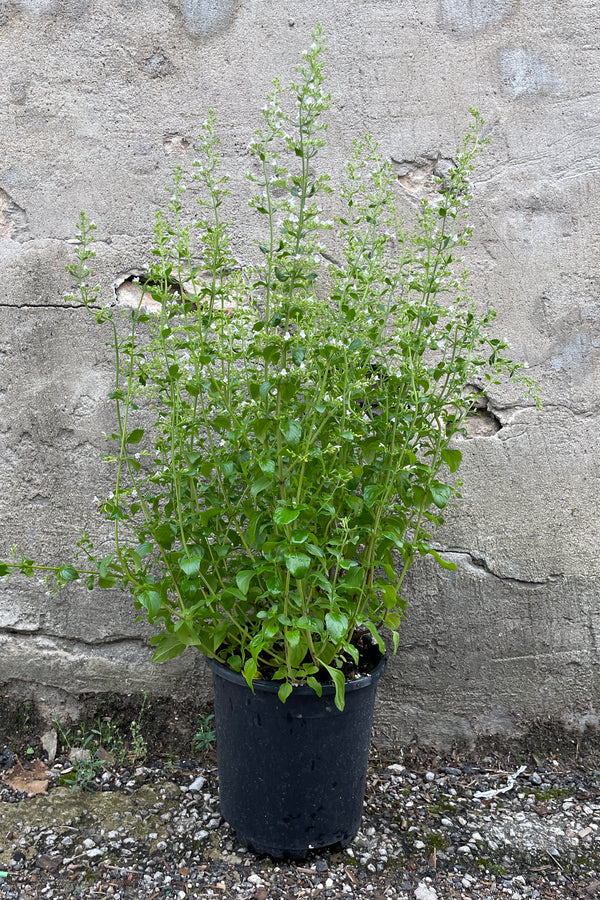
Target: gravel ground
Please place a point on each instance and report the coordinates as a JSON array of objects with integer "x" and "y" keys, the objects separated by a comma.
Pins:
[{"x": 430, "y": 831}]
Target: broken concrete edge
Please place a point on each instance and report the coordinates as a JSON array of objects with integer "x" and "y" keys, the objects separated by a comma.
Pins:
[{"x": 131, "y": 292}]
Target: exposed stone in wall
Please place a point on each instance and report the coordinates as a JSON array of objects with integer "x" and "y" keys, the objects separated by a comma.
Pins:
[
  {"x": 175, "y": 144},
  {"x": 13, "y": 219},
  {"x": 158, "y": 65},
  {"x": 483, "y": 420},
  {"x": 129, "y": 293},
  {"x": 526, "y": 74},
  {"x": 203, "y": 18},
  {"x": 467, "y": 17},
  {"x": 70, "y": 8},
  {"x": 420, "y": 177}
]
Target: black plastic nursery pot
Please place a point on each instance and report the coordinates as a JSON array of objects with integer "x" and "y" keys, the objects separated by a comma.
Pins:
[{"x": 292, "y": 775}]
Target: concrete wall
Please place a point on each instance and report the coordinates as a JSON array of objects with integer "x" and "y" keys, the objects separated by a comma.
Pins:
[{"x": 100, "y": 99}]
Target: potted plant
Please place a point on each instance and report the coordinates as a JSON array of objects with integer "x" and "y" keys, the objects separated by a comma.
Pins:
[{"x": 285, "y": 448}]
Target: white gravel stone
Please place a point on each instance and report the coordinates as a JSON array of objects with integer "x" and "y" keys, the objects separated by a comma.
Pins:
[
  {"x": 424, "y": 892},
  {"x": 197, "y": 784}
]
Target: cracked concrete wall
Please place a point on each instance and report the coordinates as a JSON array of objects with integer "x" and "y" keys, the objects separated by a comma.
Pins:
[{"x": 100, "y": 100}]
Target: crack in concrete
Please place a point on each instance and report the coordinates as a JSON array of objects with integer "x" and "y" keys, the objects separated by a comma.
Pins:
[
  {"x": 482, "y": 564},
  {"x": 60, "y": 640},
  {"x": 42, "y": 306}
]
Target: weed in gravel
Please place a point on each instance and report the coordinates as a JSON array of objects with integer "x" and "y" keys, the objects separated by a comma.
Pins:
[
  {"x": 551, "y": 794},
  {"x": 91, "y": 747},
  {"x": 205, "y": 736},
  {"x": 435, "y": 842},
  {"x": 83, "y": 754},
  {"x": 139, "y": 747},
  {"x": 441, "y": 807},
  {"x": 497, "y": 869}
]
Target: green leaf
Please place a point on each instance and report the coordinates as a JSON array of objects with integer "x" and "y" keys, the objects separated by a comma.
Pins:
[
  {"x": 315, "y": 685},
  {"x": 107, "y": 581},
  {"x": 452, "y": 458},
  {"x": 4, "y": 570},
  {"x": 260, "y": 484},
  {"x": 135, "y": 436},
  {"x": 393, "y": 537},
  {"x": 284, "y": 691},
  {"x": 388, "y": 592},
  {"x": 392, "y": 620},
  {"x": 168, "y": 647},
  {"x": 370, "y": 626},
  {"x": 144, "y": 549},
  {"x": 264, "y": 389},
  {"x": 292, "y": 636},
  {"x": 151, "y": 600},
  {"x": 164, "y": 536},
  {"x": 190, "y": 565},
  {"x": 340, "y": 686},
  {"x": 291, "y": 431},
  {"x": 337, "y": 624},
  {"x": 243, "y": 579},
  {"x": 270, "y": 630},
  {"x": 440, "y": 493},
  {"x": 283, "y": 515},
  {"x": 67, "y": 573},
  {"x": 444, "y": 563},
  {"x": 297, "y": 563},
  {"x": 250, "y": 671},
  {"x": 371, "y": 494}
]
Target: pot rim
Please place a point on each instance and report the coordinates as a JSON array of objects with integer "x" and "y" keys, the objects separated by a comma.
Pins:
[{"x": 273, "y": 686}]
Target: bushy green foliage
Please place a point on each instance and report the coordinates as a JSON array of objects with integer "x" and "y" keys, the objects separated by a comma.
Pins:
[{"x": 299, "y": 450}]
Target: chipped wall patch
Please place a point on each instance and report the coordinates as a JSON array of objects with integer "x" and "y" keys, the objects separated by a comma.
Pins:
[
  {"x": 13, "y": 219},
  {"x": 526, "y": 74},
  {"x": 157, "y": 65},
  {"x": 129, "y": 293},
  {"x": 470, "y": 16},
  {"x": 481, "y": 420},
  {"x": 203, "y": 18},
  {"x": 420, "y": 177},
  {"x": 175, "y": 143}
]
